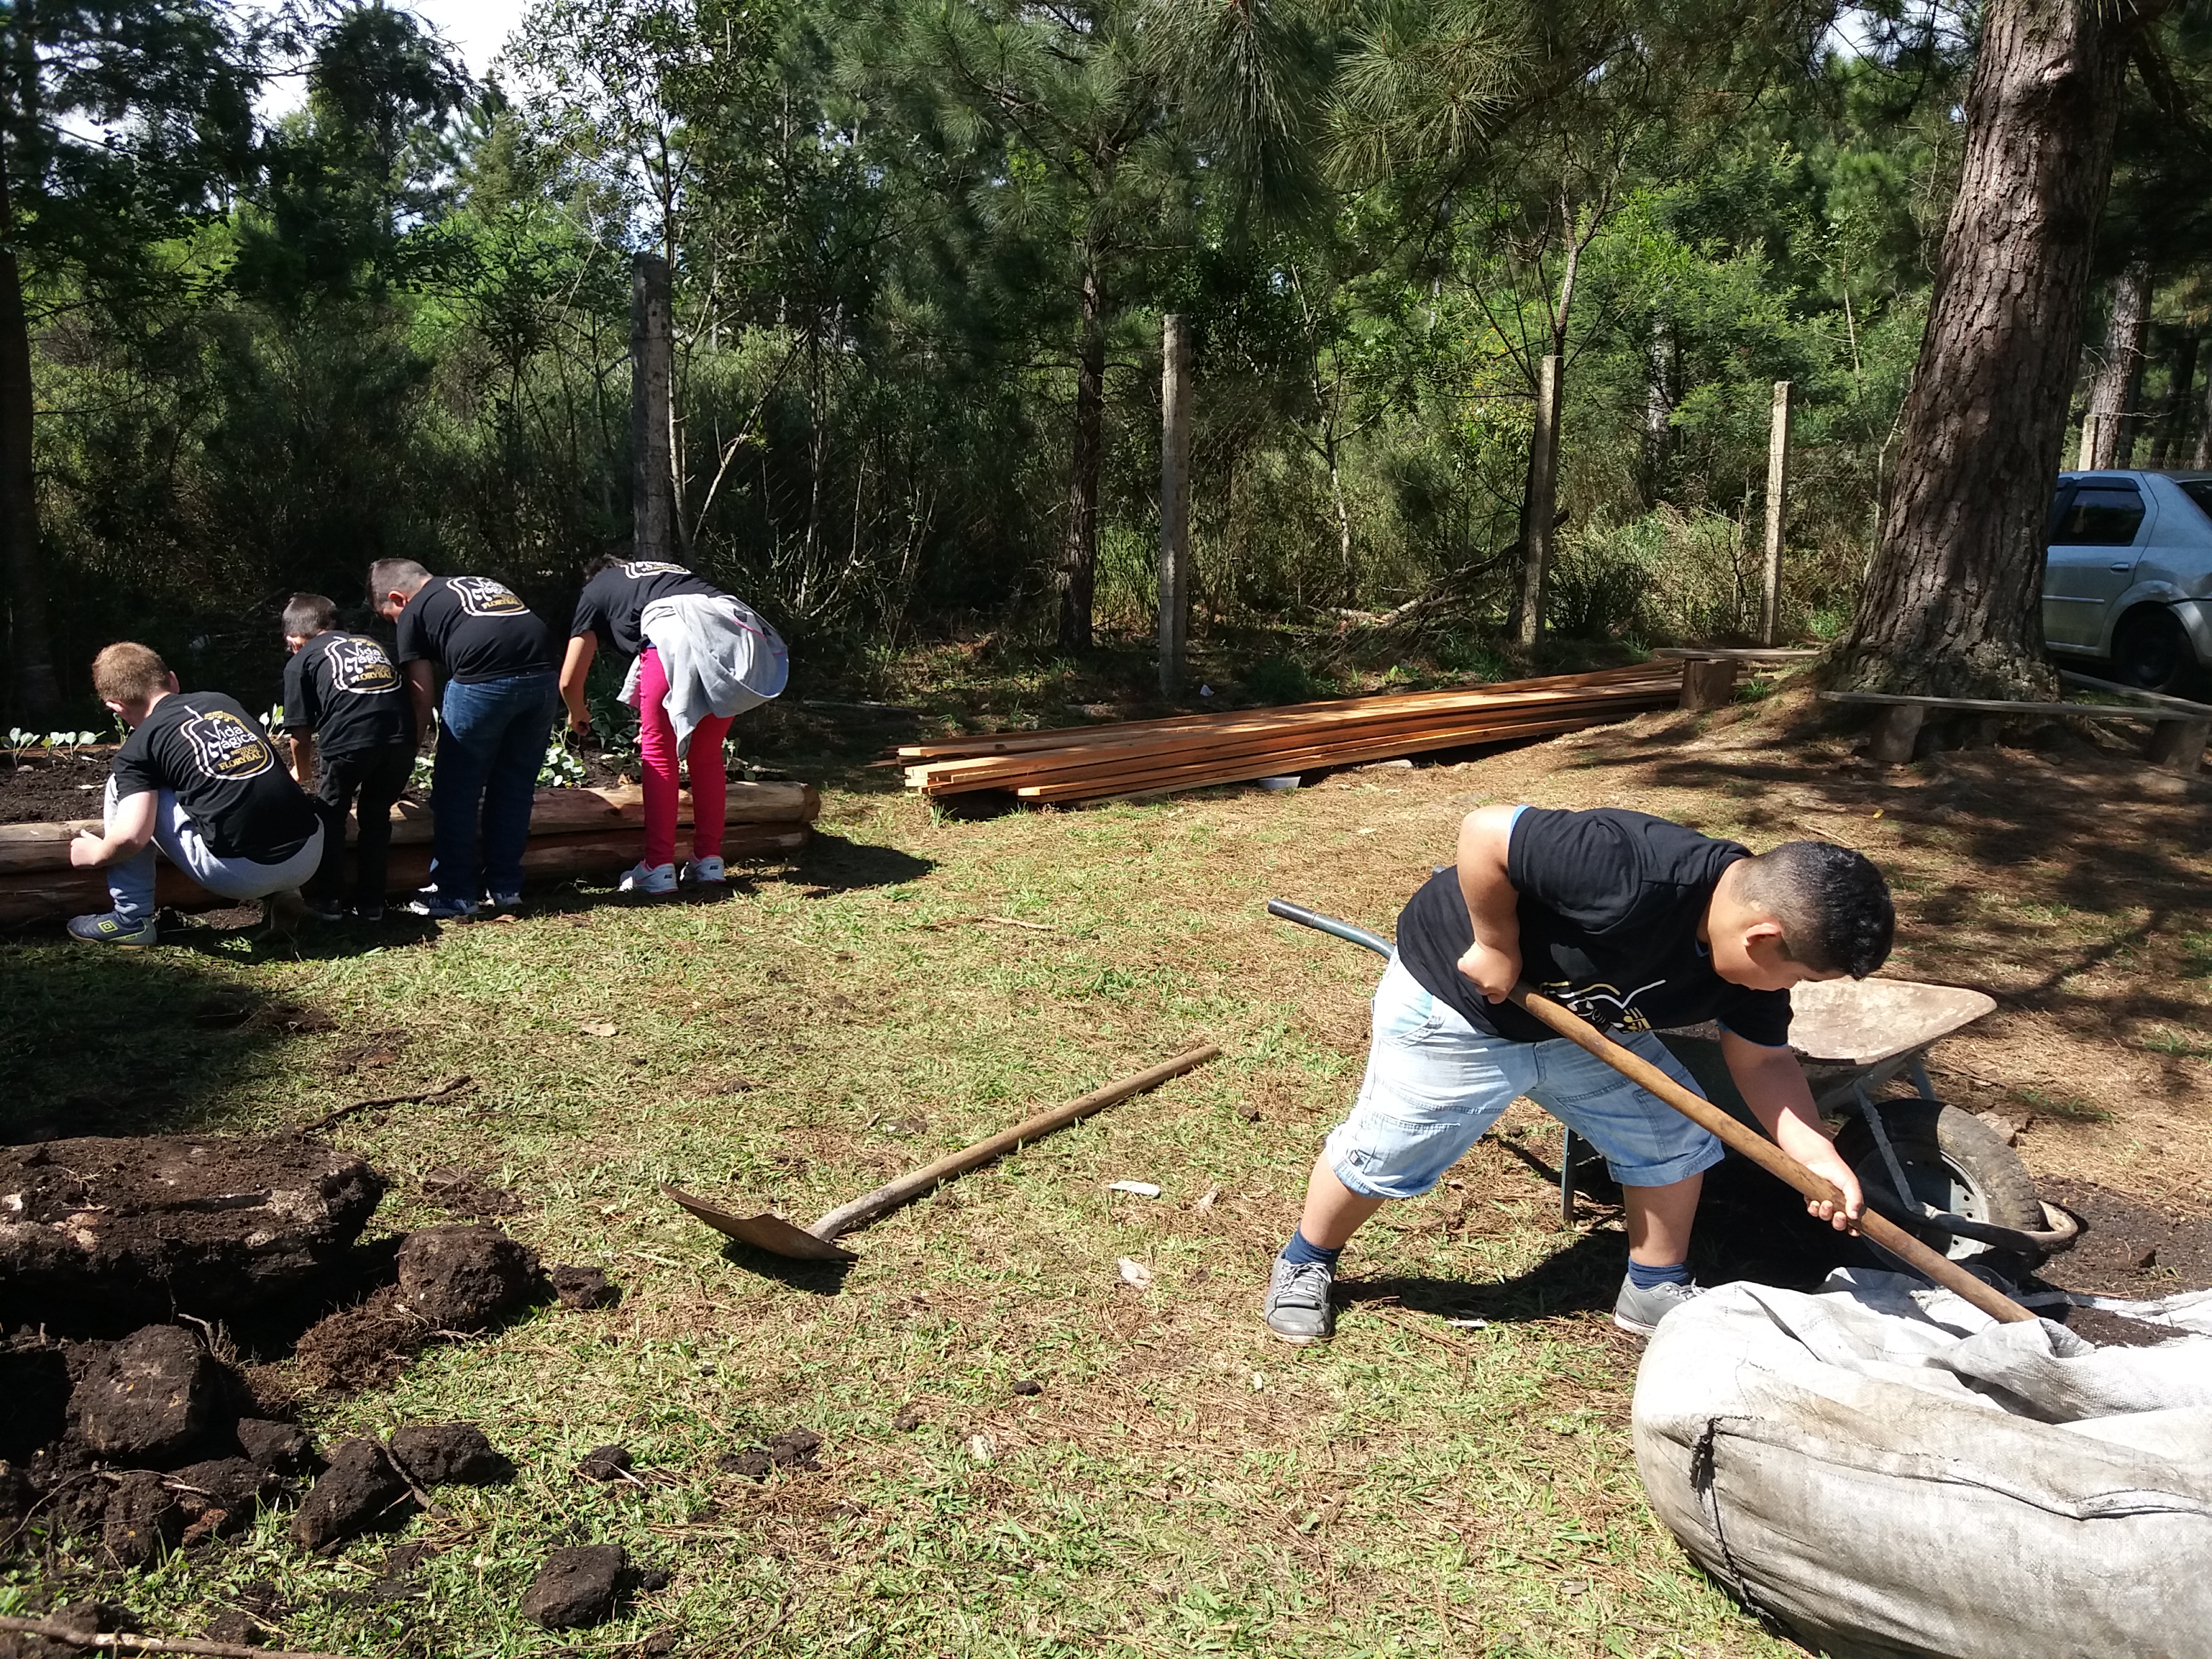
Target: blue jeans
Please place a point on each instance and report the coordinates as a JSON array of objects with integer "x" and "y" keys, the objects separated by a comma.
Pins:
[
  {"x": 491, "y": 744},
  {"x": 1434, "y": 1083}
]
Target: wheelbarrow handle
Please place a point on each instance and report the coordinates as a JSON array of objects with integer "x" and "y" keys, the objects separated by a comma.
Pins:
[
  {"x": 1768, "y": 1156},
  {"x": 1314, "y": 918}
]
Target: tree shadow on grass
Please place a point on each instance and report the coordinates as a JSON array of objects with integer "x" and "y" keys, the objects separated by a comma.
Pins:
[
  {"x": 104, "y": 1041},
  {"x": 831, "y": 864}
]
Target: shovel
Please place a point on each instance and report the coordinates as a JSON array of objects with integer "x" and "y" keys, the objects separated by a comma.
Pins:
[{"x": 772, "y": 1233}]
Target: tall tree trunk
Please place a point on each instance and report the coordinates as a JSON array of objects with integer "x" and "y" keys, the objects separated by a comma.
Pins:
[
  {"x": 1076, "y": 576},
  {"x": 1952, "y": 604},
  {"x": 1540, "y": 495},
  {"x": 2118, "y": 388},
  {"x": 2180, "y": 395},
  {"x": 34, "y": 689},
  {"x": 1658, "y": 409}
]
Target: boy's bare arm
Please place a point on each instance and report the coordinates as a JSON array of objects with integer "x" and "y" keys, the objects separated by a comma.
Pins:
[
  {"x": 1493, "y": 960},
  {"x": 127, "y": 833},
  {"x": 303, "y": 759},
  {"x": 575, "y": 668},
  {"x": 1774, "y": 1087}
]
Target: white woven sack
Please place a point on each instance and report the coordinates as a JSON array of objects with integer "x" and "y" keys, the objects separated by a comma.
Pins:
[{"x": 1886, "y": 1471}]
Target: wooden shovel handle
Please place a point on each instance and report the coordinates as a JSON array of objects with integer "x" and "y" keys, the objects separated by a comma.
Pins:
[
  {"x": 914, "y": 1184},
  {"x": 1769, "y": 1156}
]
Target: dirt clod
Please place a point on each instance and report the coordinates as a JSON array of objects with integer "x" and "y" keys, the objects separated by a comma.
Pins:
[
  {"x": 909, "y": 1420},
  {"x": 149, "y": 1397},
  {"x": 220, "y": 1496},
  {"x": 112, "y": 1234},
  {"x": 793, "y": 1449},
  {"x": 462, "y": 1277},
  {"x": 143, "y": 1520},
  {"x": 576, "y": 1586},
  {"x": 360, "y": 1347},
  {"x": 605, "y": 1463},
  {"x": 238, "y": 1628},
  {"x": 279, "y": 1448},
  {"x": 359, "y": 1491},
  {"x": 1028, "y": 1387},
  {"x": 433, "y": 1454},
  {"x": 583, "y": 1288}
]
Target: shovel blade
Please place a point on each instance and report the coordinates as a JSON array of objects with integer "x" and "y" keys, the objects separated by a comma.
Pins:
[{"x": 767, "y": 1232}]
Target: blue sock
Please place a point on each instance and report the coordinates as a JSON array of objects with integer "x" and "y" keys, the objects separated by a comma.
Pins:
[
  {"x": 1645, "y": 1278},
  {"x": 1298, "y": 1252}
]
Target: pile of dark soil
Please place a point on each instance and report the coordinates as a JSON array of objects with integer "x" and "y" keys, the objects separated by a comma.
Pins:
[
  {"x": 52, "y": 785},
  {"x": 2127, "y": 1249},
  {"x": 99, "y": 1236}
]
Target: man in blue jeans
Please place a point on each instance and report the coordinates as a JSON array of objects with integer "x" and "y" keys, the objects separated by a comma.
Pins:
[
  {"x": 501, "y": 693},
  {"x": 1634, "y": 923}
]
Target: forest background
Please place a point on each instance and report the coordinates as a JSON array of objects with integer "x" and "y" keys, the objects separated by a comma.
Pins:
[{"x": 920, "y": 252}]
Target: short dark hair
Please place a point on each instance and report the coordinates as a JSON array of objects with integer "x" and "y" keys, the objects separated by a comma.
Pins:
[
  {"x": 604, "y": 561},
  {"x": 306, "y": 615},
  {"x": 394, "y": 576},
  {"x": 1832, "y": 904}
]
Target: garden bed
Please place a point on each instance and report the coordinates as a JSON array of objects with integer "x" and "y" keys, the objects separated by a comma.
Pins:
[{"x": 573, "y": 831}]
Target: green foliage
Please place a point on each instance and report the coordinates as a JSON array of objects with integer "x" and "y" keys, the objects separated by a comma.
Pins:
[{"x": 402, "y": 326}]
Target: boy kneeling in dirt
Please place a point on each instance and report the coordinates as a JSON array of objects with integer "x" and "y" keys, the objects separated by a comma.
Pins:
[
  {"x": 199, "y": 777},
  {"x": 1634, "y": 923}
]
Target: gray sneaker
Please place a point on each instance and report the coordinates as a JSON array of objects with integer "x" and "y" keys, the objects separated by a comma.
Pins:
[
  {"x": 1297, "y": 1308},
  {"x": 1640, "y": 1311}
]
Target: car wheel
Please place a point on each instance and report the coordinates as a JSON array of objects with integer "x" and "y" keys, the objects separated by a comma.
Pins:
[{"x": 2151, "y": 651}]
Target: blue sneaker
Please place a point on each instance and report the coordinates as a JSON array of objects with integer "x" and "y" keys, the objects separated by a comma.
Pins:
[
  {"x": 112, "y": 929},
  {"x": 439, "y": 908}
]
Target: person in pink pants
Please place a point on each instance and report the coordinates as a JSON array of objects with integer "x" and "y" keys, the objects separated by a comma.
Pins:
[{"x": 729, "y": 649}]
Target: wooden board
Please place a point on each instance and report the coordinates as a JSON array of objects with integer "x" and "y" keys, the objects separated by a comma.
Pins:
[
  {"x": 2087, "y": 711},
  {"x": 1259, "y": 735},
  {"x": 1398, "y": 702}
]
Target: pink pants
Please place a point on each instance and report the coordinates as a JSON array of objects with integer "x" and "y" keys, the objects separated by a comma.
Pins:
[{"x": 656, "y": 738}]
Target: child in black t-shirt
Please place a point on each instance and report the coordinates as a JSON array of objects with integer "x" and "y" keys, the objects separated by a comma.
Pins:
[
  {"x": 1634, "y": 923},
  {"x": 352, "y": 734},
  {"x": 198, "y": 778}
]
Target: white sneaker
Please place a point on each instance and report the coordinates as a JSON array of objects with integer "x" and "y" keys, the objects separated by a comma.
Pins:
[
  {"x": 706, "y": 870},
  {"x": 647, "y": 879}
]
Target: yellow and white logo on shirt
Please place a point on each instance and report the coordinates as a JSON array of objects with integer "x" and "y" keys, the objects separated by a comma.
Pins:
[
  {"x": 360, "y": 664},
  {"x": 480, "y": 596},
  {"x": 638, "y": 568},
  {"x": 228, "y": 747}
]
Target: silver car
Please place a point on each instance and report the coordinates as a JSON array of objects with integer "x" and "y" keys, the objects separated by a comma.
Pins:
[{"x": 2128, "y": 576}]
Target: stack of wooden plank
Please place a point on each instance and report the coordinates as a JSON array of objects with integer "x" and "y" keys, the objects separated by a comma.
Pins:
[
  {"x": 1190, "y": 751},
  {"x": 572, "y": 832}
]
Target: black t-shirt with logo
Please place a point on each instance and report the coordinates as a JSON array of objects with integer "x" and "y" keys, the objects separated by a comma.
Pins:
[
  {"x": 344, "y": 689},
  {"x": 223, "y": 767},
  {"x": 475, "y": 629},
  {"x": 1610, "y": 905},
  {"x": 612, "y": 604}
]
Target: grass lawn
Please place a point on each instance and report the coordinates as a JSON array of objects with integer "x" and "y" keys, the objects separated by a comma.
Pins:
[{"x": 1183, "y": 1483}]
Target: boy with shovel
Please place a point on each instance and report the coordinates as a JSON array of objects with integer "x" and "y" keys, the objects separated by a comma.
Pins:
[{"x": 1634, "y": 923}]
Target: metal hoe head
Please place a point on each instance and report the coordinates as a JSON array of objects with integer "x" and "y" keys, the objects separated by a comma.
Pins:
[{"x": 764, "y": 1231}]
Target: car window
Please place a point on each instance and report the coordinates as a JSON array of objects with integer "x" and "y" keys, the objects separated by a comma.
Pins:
[
  {"x": 2198, "y": 490},
  {"x": 2102, "y": 515}
]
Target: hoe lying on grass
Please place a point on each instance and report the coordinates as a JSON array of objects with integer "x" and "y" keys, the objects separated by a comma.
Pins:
[{"x": 778, "y": 1236}]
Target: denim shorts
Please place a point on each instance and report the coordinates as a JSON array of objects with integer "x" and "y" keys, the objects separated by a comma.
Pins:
[{"x": 1435, "y": 1084}]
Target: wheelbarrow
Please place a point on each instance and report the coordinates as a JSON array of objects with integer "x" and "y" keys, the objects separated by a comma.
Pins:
[{"x": 1939, "y": 1172}]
